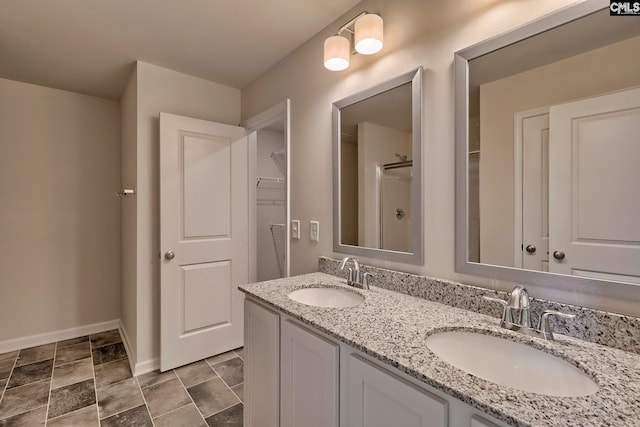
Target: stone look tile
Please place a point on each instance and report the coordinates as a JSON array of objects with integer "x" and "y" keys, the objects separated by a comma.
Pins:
[
  {"x": 28, "y": 419},
  {"x": 9, "y": 356},
  {"x": 231, "y": 371},
  {"x": 36, "y": 354},
  {"x": 212, "y": 396},
  {"x": 165, "y": 397},
  {"x": 72, "y": 353},
  {"x": 231, "y": 417},
  {"x": 155, "y": 377},
  {"x": 239, "y": 391},
  {"x": 72, "y": 341},
  {"x": 112, "y": 372},
  {"x": 221, "y": 357},
  {"x": 109, "y": 353},
  {"x": 118, "y": 397},
  {"x": 195, "y": 373},
  {"x": 23, "y": 399},
  {"x": 5, "y": 368},
  {"x": 71, "y": 373},
  {"x": 31, "y": 373},
  {"x": 138, "y": 416},
  {"x": 85, "y": 417},
  {"x": 187, "y": 416},
  {"x": 71, "y": 398},
  {"x": 105, "y": 338}
]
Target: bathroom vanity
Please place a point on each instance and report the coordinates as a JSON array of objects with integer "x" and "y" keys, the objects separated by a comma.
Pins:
[{"x": 368, "y": 364}]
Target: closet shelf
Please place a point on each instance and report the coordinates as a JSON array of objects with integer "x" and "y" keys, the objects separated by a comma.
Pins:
[{"x": 269, "y": 182}]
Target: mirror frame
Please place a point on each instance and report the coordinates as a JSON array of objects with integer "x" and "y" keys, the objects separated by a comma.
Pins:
[
  {"x": 416, "y": 257},
  {"x": 461, "y": 77}
]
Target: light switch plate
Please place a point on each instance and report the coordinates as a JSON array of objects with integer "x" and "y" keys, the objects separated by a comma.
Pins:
[
  {"x": 314, "y": 231},
  {"x": 295, "y": 229}
]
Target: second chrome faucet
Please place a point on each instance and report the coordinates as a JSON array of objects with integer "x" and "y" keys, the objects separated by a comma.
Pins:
[{"x": 517, "y": 315}]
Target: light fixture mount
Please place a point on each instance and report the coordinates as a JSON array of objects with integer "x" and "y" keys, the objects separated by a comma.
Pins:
[{"x": 367, "y": 32}]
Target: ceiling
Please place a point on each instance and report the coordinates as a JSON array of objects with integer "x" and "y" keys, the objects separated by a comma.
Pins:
[{"x": 90, "y": 46}]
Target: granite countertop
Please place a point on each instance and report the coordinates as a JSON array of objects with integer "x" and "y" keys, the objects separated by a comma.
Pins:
[{"x": 392, "y": 327}]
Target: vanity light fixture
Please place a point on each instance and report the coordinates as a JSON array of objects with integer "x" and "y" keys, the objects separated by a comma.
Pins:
[{"x": 367, "y": 31}]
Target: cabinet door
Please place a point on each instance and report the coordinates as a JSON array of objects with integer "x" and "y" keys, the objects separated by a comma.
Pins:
[
  {"x": 376, "y": 398},
  {"x": 309, "y": 385},
  {"x": 261, "y": 366}
]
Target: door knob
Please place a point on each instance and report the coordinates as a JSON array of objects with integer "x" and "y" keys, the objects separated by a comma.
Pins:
[
  {"x": 559, "y": 255},
  {"x": 169, "y": 255},
  {"x": 531, "y": 249}
]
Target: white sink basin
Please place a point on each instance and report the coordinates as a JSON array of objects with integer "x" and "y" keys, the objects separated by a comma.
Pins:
[
  {"x": 327, "y": 297},
  {"x": 511, "y": 364}
]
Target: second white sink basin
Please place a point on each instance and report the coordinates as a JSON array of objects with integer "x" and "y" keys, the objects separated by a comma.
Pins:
[
  {"x": 511, "y": 364},
  {"x": 327, "y": 297}
]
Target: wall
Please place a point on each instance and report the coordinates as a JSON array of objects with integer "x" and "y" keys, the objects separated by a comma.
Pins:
[
  {"x": 163, "y": 90},
  {"x": 427, "y": 33},
  {"x": 270, "y": 207},
  {"x": 60, "y": 234},
  {"x": 544, "y": 86}
]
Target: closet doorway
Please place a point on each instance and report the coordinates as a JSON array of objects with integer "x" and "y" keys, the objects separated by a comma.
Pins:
[{"x": 269, "y": 212}]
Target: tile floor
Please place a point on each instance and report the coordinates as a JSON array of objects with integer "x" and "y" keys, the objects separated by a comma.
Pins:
[{"x": 87, "y": 382}]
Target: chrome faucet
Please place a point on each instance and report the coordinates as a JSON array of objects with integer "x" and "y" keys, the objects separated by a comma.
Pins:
[
  {"x": 516, "y": 315},
  {"x": 354, "y": 278}
]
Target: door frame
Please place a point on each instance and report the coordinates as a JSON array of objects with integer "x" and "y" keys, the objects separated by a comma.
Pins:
[
  {"x": 518, "y": 180},
  {"x": 280, "y": 111}
]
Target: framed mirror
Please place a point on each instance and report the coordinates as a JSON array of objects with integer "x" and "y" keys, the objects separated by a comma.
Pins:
[
  {"x": 547, "y": 123},
  {"x": 377, "y": 171}
]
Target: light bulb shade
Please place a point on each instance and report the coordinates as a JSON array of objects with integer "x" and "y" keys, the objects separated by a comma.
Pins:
[
  {"x": 336, "y": 53},
  {"x": 368, "y": 34}
]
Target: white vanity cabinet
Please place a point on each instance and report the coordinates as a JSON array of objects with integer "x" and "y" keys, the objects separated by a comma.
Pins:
[
  {"x": 309, "y": 378},
  {"x": 296, "y": 376},
  {"x": 375, "y": 398}
]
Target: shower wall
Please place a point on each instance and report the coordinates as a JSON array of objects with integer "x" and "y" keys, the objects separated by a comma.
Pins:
[{"x": 270, "y": 207}]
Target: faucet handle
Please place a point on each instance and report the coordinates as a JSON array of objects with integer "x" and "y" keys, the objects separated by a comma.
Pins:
[
  {"x": 365, "y": 281},
  {"x": 543, "y": 323},
  {"x": 503, "y": 303}
]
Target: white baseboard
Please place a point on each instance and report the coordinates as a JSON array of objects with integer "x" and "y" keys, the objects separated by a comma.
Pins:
[
  {"x": 63, "y": 334},
  {"x": 131, "y": 354},
  {"x": 146, "y": 366}
]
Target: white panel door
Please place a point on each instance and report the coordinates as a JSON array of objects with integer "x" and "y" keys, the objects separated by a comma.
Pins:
[
  {"x": 309, "y": 379},
  {"x": 376, "y": 398},
  {"x": 203, "y": 238},
  {"x": 535, "y": 189},
  {"x": 261, "y": 366},
  {"x": 594, "y": 201}
]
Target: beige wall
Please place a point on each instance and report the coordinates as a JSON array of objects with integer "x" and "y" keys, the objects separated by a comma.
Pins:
[
  {"x": 128, "y": 213},
  {"x": 577, "y": 77},
  {"x": 60, "y": 233},
  {"x": 424, "y": 32},
  {"x": 163, "y": 90}
]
